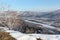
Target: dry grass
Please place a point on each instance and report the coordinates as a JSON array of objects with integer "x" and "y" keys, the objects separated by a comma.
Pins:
[{"x": 6, "y": 36}]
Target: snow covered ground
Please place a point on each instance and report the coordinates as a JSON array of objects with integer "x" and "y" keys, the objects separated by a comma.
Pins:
[{"x": 21, "y": 36}]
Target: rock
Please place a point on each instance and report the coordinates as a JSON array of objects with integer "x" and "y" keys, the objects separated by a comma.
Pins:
[{"x": 39, "y": 39}]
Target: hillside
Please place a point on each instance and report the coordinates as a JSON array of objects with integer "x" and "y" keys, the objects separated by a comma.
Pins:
[{"x": 13, "y": 20}]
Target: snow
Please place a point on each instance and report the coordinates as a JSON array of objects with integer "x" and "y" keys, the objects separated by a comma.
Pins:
[
  {"x": 26, "y": 37},
  {"x": 46, "y": 37},
  {"x": 21, "y": 36}
]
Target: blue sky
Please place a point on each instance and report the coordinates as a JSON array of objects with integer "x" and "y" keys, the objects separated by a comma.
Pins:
[{"x": 32, "y": 5}]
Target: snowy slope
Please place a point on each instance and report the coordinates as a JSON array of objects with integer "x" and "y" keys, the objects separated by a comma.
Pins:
[{"x": 20, "y": 36}]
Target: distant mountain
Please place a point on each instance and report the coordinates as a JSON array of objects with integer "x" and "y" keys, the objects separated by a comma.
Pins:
[
  {"x": 52, "y": 15},
  {"x": 31, "y": 14}
]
